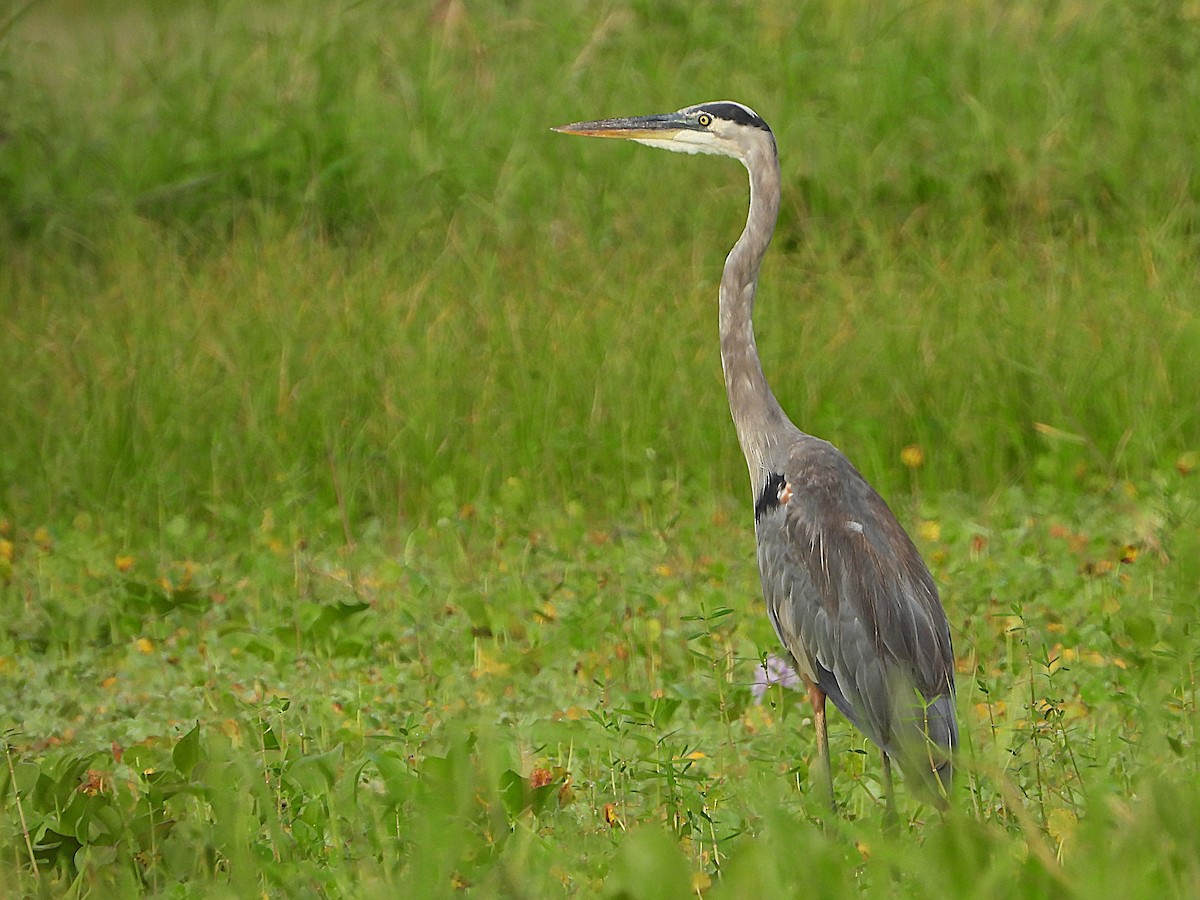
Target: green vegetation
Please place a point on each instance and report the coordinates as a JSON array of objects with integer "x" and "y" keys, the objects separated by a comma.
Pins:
[{"x": 371, "y": 523}]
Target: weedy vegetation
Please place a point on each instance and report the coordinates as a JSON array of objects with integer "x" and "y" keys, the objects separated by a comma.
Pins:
[{"x": 371, "y": 523}]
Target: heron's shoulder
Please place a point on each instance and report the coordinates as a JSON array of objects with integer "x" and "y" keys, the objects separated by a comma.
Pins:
[
  {"x": 830, "y": 491},
  {"x": 811, "y": 470},
  {"x": 815, "y": 462}
]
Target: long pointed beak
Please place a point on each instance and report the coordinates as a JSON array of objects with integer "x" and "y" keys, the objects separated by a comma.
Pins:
[{"x": 659, "y": 127}]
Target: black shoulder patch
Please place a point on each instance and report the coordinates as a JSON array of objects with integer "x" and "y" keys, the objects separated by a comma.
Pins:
[
  {"x": 768, "y": 499},
  {"x": 735, "y": 112}
]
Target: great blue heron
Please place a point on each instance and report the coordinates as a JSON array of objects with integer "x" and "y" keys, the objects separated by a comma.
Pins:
[{"x": 847, "y": 592}]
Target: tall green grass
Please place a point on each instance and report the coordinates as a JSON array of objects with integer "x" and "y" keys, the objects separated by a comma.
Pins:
[{"x": 332, "y": 255}]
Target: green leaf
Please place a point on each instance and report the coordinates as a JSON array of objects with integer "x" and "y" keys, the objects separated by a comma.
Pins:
[
  {"x": 396, "y": 774},
  {"x": 187, "y": 753},
  {"x": 26, "y": 777},
  {"x": 333, "y": 615},
  {"x": 55, "y": 849},
  {"x": 514, "y": 792},
  {"x": 318, "y": 772}
]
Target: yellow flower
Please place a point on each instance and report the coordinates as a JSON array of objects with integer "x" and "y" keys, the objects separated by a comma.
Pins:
[
  {"x": 996, "y": 709},
  {"x": 930, "y": 531},
  {"x": 124, "y": 563},
  {"x": 1188, "y": 462},
  {"x": 912, "y": 456},
  {"x": 41, "y": 537}
]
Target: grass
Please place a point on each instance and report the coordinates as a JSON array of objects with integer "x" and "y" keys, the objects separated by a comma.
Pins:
[
  {"x": 509, "y": 711},
  {"x": 371, "y": 518}
]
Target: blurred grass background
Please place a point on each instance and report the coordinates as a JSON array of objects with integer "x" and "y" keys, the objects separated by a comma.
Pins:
[
  {"x": 371, "y": 522},
  {"x": 331, "y": 254}
]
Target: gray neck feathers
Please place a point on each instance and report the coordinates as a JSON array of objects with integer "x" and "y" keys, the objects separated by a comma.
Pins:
[{"x": 757, "y": 416}]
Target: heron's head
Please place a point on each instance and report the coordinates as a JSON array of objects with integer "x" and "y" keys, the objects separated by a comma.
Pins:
[{"x": 721, "y": 127}]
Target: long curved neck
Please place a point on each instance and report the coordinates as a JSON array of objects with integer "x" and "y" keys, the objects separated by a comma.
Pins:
[{"x": 757, "y": 415}]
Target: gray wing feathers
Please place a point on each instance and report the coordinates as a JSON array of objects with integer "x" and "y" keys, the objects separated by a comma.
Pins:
[{"x": 852, "y": 601}]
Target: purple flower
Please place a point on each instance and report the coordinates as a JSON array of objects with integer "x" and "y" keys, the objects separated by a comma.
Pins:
[{"x": 776, "y": 671}]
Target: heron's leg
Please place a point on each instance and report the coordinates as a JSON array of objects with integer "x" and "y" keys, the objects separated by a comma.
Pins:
[
  {"x": 817, "y": 697},
  {"x": 890, "y": 819}
]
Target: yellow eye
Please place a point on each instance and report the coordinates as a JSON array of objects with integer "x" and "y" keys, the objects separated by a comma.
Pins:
[{"x": 704, "y": 119}]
